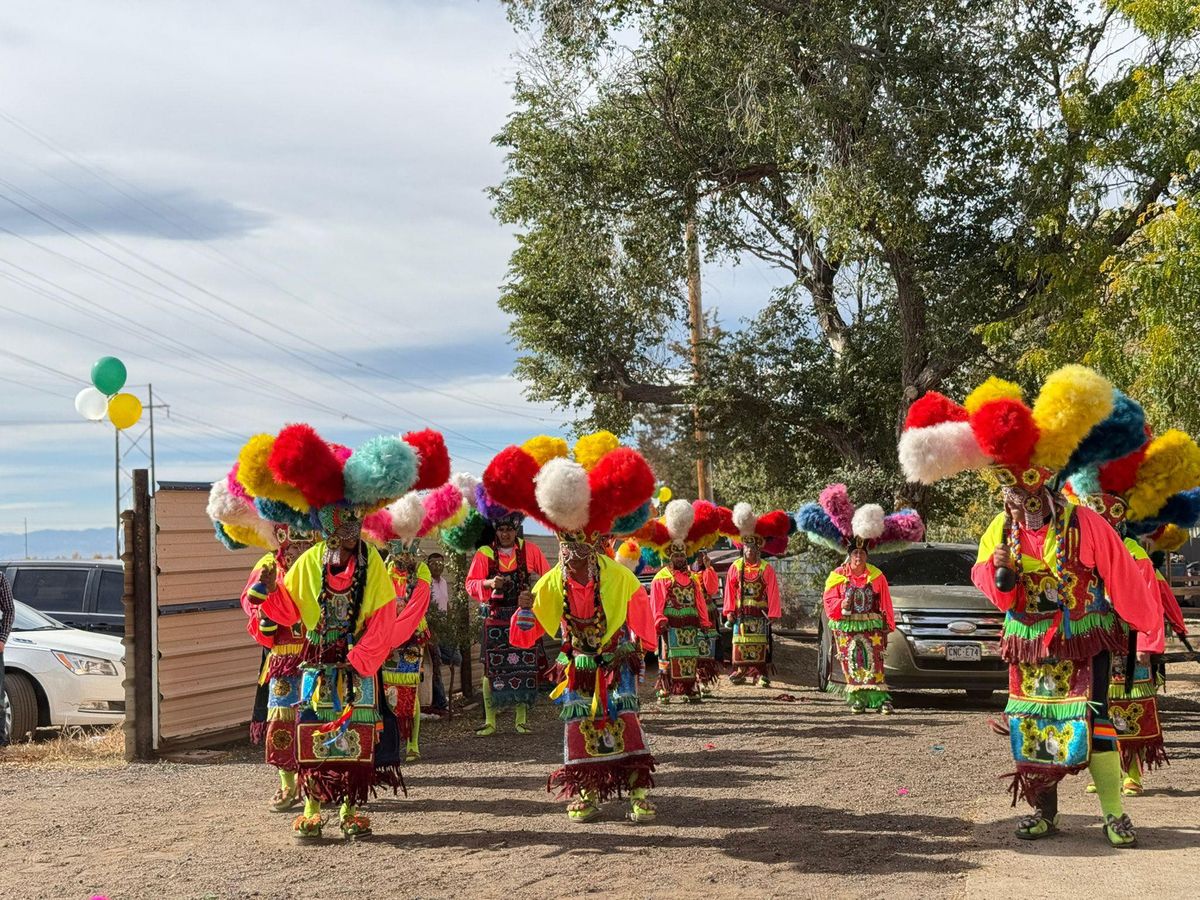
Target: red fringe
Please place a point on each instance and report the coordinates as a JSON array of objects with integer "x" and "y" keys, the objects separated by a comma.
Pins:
[
  {"x": 1030, "y": 782},
  {"x": 766, "y": 670},
  {"x": 1151, "y": 754},
  {"x": 390, "y": 776},
  {"x": 608, "y": 780},
  {"x": 1014, "y": 649},
  {"x": 406, "y": 704},
  {"x": 708, "y": 671},
  {"x": 280, "y": 666},
  {"x": 258, "y": 731},
  {"x": 675, "y": 687},
  {"x": 337, "y": 782}
]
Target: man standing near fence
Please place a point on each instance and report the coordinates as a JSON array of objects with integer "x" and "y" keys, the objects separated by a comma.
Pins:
[{"x": 444, "y": 653}]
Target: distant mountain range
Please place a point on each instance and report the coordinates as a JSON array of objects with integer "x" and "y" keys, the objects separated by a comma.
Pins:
[{"x": 50, "y": 543}]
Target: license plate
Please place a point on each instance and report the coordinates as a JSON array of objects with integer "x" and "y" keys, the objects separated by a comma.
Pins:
[{"x": 963, "y": 653}]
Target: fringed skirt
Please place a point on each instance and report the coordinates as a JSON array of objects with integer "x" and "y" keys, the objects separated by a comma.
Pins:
[
  {"x": 335, "y": 751},
  {"x": 1134, "y": 715},
  {"x": 679, "y": 671},
  {"x": 751, "y": 646},
  {"x": 861, "y": 640}
]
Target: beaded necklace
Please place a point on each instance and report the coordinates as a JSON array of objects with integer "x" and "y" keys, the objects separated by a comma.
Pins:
[
  {"x": 587, "y": 631},
  {"x": 1058, "y": 519}
]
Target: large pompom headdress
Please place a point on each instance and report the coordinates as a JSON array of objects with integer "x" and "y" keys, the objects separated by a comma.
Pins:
[
  {"x": 340, "y": 485},
  {"x": 834, "y": 522},
  {"x": 580, "y": 497},
  {"x": 684, "y": 526},
  {"x": 417, "y": 514},
  {"x": 236, "y": 521},
  {"x": 996, "y": 432},
  {"x": 770, "y": 531}
]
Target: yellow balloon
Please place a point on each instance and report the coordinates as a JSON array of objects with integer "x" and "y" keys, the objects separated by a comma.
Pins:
[
  {"x": 664, "y": 495},
  {"x": 124, "y": 410}
]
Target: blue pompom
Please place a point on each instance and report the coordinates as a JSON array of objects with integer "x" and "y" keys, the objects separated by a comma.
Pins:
[
  {"x": 631, "y": 522},
  {"x": 1118, "y": 435},
  {"x": 383, "y": 468},
  {"x": 812, "y": 519}
]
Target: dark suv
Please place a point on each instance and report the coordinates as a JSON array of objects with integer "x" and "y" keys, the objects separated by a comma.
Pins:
[
  {"x": 79, "y": 593},
  {"x": 947, "y": 632}
]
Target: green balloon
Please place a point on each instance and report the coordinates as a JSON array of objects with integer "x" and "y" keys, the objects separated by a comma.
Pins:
[{"x": 108, "y": 375}]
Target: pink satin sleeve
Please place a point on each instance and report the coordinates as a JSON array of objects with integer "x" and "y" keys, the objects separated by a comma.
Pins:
[
  {"x": 731, "y": 592},
  {"x": 880, "y": 587},
  {"x": 702, "y": 609},
  {"x": 535, "y": 560},
  {"x": 983, "y": 576},
  {"x": 832, "y": 599},
  {"x": 658, "y": 599},
  {"x": 476, "y": 576},
  {"x": 711, "y": 582},
  {"x": 279, "y": 606},
  {"x": 1170, "y": 605},
  {"x": 640, "y": 618},
  {"x": 771, "y": 585},
  {"x": 375, "y": 642},
  {"x": 410, "y": 617},
  {"x": 253, "y": 613}
]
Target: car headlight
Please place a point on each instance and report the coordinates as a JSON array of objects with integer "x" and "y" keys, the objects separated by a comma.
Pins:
[{"x": 85, "y": 665}]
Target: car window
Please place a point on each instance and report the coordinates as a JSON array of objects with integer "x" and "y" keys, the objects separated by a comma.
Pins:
[
  {"x": 112, "y": 588},
  {"x": 27, "y": 619},
  {"x": 51, "y": 590},
  {"x": 926, "y": 566}
]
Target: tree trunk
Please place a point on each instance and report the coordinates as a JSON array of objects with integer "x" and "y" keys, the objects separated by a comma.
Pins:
[
  {"x": 696, "y": 322},
  {"x": 914, "y": 356}
]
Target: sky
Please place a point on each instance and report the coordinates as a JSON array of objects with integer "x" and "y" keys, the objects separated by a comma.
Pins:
[{"x": 272, "y": 212}]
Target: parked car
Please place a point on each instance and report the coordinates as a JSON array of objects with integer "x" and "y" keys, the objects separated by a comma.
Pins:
[
  {"x": 947, "y": 633},
  {"x": 55, "y": 675},
  {"x": 82, "y": 594}
]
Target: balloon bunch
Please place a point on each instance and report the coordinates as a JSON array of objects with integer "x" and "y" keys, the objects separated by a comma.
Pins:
[{"x": 104, "y": 398}]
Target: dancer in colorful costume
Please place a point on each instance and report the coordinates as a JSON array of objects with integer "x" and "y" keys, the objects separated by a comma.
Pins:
[
  {"x": 1136, "y": 493},
  {"x": 241, "y": 521},
  {"x": 593, "y": 601},
  {"x": 752, "y": 592},
  {"x": 679, "y": 595},
  {"x": 341, "y": 591},
  {"x": 401, "y": 526},
  {"x": 502, "y": 568},
  {"x": 1067, "y": 585},
  {"x": 857, "y": 599}
]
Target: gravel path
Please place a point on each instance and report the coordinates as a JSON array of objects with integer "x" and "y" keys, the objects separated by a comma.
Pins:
[{"x": 756, "y": 796}]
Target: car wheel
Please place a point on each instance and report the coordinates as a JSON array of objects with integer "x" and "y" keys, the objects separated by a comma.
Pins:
[
  {"x": 21, "y": 707},
  {"x": 824, "y": 655}
]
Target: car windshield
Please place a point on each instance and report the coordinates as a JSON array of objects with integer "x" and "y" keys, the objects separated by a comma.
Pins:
[
  {"x": 926, "y": 565},
  {"x": 29, "y": 619}
]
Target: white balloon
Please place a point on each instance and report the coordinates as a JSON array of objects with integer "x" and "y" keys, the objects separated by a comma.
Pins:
[{"x": 91, "y": 404}]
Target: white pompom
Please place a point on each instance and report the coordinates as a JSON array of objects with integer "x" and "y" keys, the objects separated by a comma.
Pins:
[
  {"x": 939, "y": 451},
  {"x": 407, "y": 514},
  {"x": 744, "y": 519},
  {"x": 225, "y": 506},
  {"x": 465, "y": 482},
  {"x": 868, "y": 522},
  {"x": 679, "y": 519},
  {"x": 562, "y": 492}
]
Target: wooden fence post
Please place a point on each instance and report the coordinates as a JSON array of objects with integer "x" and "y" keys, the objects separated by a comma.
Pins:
[{"x": 139, "y": 624}]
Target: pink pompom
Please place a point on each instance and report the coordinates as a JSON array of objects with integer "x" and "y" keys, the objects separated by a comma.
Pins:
[
  {"x": 440, "y": 505},
  {"x": 835, "y": 500}
]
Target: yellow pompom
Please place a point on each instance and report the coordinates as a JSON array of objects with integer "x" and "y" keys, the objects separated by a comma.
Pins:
[
  {"x": 460, "y": 516},
  {"x": 244, "y": 534},
  {"x": 257, "y": 479},
  {"x": 629, "y": 550},
  {"x": 1073, "y": 401},
  {"x": 1172, "y": 464},
  {"x": 993, "y": 389},
  {"x": 544, "y": 448},
  {"x": 1171, "y": 539},
  {"x": 590, "y": 447}
]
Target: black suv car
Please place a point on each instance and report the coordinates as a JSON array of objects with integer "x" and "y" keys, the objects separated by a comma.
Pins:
[{"x": 79, "y": 593}]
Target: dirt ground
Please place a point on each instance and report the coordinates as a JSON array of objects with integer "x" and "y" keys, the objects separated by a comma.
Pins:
[{"x": 757, "y": 796}]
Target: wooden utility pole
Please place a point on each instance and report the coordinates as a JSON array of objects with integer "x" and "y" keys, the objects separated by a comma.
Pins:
[{"x": 696, "y": 321}]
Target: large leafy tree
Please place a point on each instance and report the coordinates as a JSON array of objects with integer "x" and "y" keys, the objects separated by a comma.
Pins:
[{"x": 940, "y": 183}]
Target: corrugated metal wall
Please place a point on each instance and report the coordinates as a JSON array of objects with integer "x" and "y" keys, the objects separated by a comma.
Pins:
[{"x": 207, "y": 665}]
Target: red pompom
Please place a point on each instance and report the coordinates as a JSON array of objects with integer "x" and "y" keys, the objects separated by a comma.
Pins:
[
  {"x": 341, "y": 452},
  {"x": 777, "y": 524},
  {"x": 707, "y": 521},
  {"x": 1005, "y": 431},
  {"x": 653, "y": 533},
  {"x": 775, "y": 546},
  {"x": 303, "y": 460},
  {"x": 933, "y": 409},
  {"x": 508, "y": 480},
  {"x": 434, "y": 468},
  {"x": 1120, "y": 475},
  {"x": 378, "y": 525},
  {"x": 725, "y": 521},
  {"x": 620, "y": 482}
]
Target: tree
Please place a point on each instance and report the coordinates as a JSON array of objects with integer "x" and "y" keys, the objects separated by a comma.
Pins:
[{"x": 940, "y": 182}]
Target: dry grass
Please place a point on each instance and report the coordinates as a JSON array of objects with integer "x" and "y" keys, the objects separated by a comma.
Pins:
[{"x": 71, "y": 746}]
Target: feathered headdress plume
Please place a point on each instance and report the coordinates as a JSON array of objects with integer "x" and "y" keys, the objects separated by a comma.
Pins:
[{"x": 834, "y": 522}]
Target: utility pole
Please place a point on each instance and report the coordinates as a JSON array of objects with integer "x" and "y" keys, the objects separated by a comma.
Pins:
[
  {"x": 133, "y": 443},
  {"x": 696, "y": 321},
  {"x": 26, "y": 538}
]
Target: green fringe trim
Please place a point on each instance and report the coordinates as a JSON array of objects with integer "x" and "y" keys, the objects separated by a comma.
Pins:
[
  {"x": 572, "y": 711},
  {"x": 364, "y": 714},
  {"x": 853, "y": 626},
  {"x": 1058, "y": 712},
  {"x": 585, "y": 662},
  {"x": 401, "y": 678},
  {"x": 628, "y": 703},
  {"x": 871, "y": 698},
  {"x": 563, "y": 660},
  {"x": 1141, "y": 690},
  {"x": 1091, "y": 622},
  {"x": 677, "y": 613}
]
